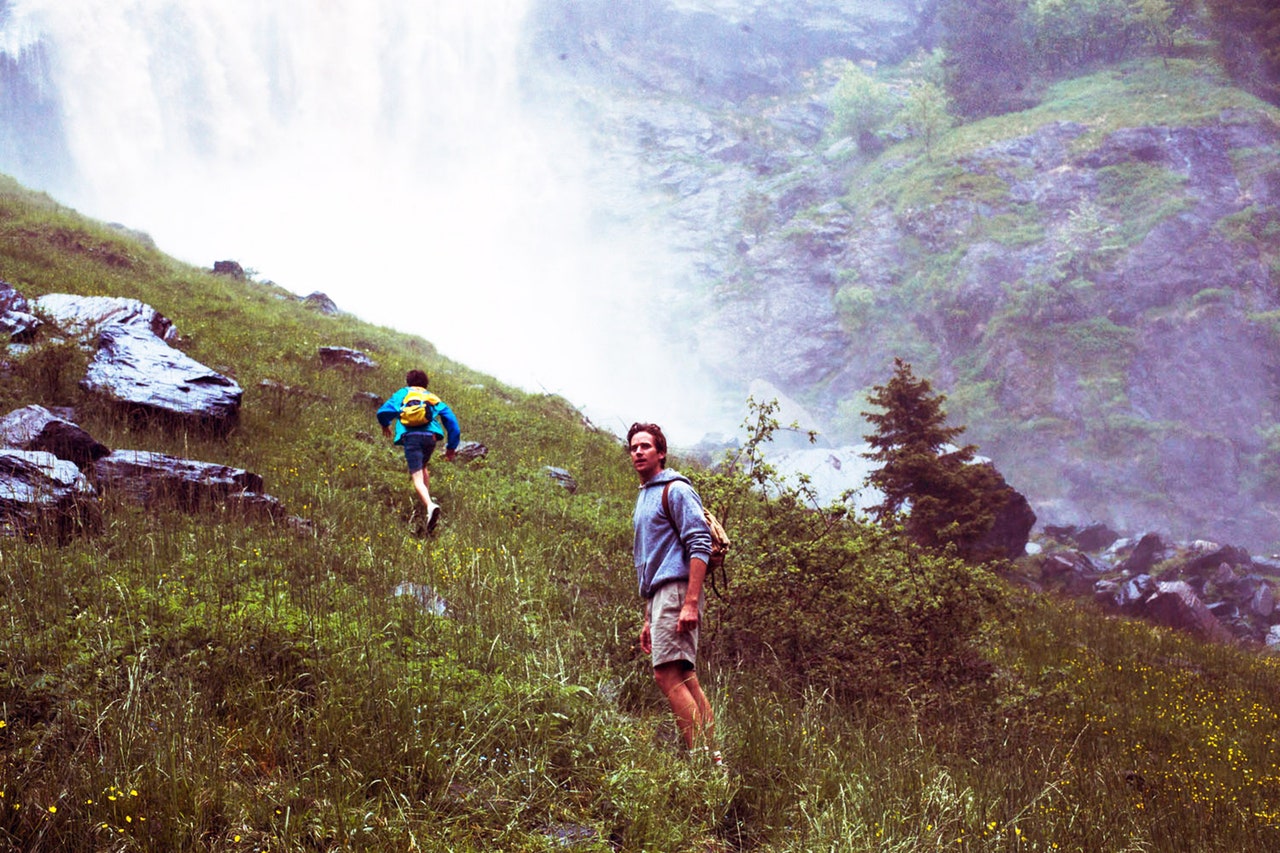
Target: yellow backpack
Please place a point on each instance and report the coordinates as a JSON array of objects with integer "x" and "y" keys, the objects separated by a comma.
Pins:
[{"x": 417, "y": 409}]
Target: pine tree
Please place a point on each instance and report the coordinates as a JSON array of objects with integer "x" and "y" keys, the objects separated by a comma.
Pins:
[{"x": 951, "y": 500}]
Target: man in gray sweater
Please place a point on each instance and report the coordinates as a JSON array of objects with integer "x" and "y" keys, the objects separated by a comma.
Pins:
[{"x": 671, "y": 549}]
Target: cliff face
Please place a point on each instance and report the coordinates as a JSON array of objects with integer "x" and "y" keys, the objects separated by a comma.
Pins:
[{"x": 1093, "y": 282}]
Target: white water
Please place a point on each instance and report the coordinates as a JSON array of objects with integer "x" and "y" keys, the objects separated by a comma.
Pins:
[{"x": 379, "y": 151}]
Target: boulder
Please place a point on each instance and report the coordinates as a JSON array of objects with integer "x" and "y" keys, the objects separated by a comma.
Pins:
[
  {"x": 36, "y": 428},
  {"x": 322, "y": 303},
  {"x": 229, "y": 268},
  {"x": 86, "y": 316},
  {"x": 16, "y": 322},
  {"x": 134, "y": 367},
  {"x": 151, "y": 479},
  {"x": 1090, "y": 537},
  {"x": 563, "y": 477},
  {"x": 1071, "y": 569},
  {"x": 469, "y": 451},
  {"x": 1012, "y": 525},
  {"x": 1215, "y": 556},
  {"x": 1176, "y": 605},
  {"x": 1149, "y": 550},
  {"x": 345, "y": 357},
  {"x": 1133, "y": 592},
  {"x": 40, "y": 492}
]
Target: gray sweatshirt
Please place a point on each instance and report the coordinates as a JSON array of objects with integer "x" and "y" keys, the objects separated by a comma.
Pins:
[{"x": 662, "y": 554}]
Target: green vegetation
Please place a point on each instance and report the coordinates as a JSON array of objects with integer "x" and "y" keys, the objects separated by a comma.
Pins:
[
  {"x": 215, "y": 683},
  {"x": 953, "y": 502},
  {"x": 861, "y": 104}
]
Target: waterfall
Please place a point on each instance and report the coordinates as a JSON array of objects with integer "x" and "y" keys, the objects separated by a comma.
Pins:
[{"x": 384, "y": 152}]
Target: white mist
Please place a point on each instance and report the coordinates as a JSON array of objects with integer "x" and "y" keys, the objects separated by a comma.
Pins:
[{"x": 380, "y": 151}]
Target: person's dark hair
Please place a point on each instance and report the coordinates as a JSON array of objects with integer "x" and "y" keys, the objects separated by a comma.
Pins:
[
  {"x": 659, "y": 440},
  {"x": 416, "y": 378}
]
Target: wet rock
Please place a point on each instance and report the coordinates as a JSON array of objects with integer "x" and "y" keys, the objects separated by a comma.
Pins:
[
  {"x": 36, "y": 428},
  {"x": 136, "y": 368},
  {"x": 86, "y": 316},
  {"x": 345, "y": 357},
  {"x": 17, "y": 323},
  {"x": 469, "y": 451},
  {"x": 563, "y": 477},
  {"x": 1176, "y": 605},
  {"x": 152, "y": 479},
  {"x": 40, "y": 493}
]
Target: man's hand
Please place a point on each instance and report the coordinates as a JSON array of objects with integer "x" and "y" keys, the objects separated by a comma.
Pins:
[
  {"x": 386, "y": 430},
  {"x": 449, "y": 453},
  {"x": 646, "y": 640},
  {"x": 688, "y": 620}
]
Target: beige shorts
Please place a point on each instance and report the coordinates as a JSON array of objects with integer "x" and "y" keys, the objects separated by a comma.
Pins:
[{"x": 663, "y": 612}]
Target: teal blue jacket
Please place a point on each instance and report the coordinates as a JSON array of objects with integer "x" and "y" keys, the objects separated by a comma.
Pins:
[{"x": 389, "y": 413}]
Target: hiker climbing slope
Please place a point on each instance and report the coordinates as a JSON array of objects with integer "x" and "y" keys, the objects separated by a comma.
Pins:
[{"x": 417, "y": 419}]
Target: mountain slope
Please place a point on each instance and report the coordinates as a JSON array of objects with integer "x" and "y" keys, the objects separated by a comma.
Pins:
[
  {"x": 1092, "y": 280},
  {"x": 218, "y": 682}
]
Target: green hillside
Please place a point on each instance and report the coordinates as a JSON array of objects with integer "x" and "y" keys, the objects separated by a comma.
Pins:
[{"x": 209, "y": 682}]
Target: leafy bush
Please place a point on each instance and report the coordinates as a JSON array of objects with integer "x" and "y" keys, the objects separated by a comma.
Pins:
[
  {"x": 819, "y": 598},
  {"x": 861, "y": 104}
]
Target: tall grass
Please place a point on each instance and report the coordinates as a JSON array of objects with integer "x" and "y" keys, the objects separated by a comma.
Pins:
[{"x": 217, "y": 683}]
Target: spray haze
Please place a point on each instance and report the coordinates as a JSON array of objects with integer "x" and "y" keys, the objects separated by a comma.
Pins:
[{"x": 381, "y": 152}]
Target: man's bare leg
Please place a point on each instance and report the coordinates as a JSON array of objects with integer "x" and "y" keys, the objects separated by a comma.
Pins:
[
  {"x": 422, "y": 485},
  {"x": 688, "y": 703}
]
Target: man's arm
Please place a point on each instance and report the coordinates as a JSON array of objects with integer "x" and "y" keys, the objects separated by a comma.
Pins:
[
  {"x": 689, "y": 610},
  {"x": 389, "y": 412},
  {"x": 452, "y": 429}
]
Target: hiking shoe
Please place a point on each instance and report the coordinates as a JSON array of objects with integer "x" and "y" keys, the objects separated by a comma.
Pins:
[
  {"x": 699, "y": 754},
  {"x": 433, "y": 518}
]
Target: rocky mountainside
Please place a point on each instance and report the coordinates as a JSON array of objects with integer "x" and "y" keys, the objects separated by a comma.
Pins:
[{"x": 1092, "y": 280}]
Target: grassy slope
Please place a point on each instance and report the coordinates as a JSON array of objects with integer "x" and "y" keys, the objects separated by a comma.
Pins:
[{"x": 204, "y": 683}]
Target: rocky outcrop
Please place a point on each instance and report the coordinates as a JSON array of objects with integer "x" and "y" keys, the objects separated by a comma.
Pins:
[
  {"x": 1215, "y": 592},
  {"x": 40, "y": 493},
  {"x": 134, "y": 364},
  {"x": 737, "y": 50},
  {"x": 134, "y": 367},
  {"x": 1098, "y": 299},
  {"x": 345, "y": 357},
  {"x": 37, "y": 428},
  {"x": 84, "y": 317},
  {"x": 157, "y": 479},
  {"x": 51, "y": 469}
]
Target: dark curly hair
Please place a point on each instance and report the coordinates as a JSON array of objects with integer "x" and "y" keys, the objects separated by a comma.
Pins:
[
  {"x": 659, "y": 440},
  {"x": 416, "y": 378}
]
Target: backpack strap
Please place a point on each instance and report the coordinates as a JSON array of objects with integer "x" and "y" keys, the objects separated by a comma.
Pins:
[{"x": 666, "y": 508}]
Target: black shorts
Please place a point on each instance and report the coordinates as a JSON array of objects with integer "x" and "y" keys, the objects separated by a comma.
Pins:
[{"x": 418, "y": 447}]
